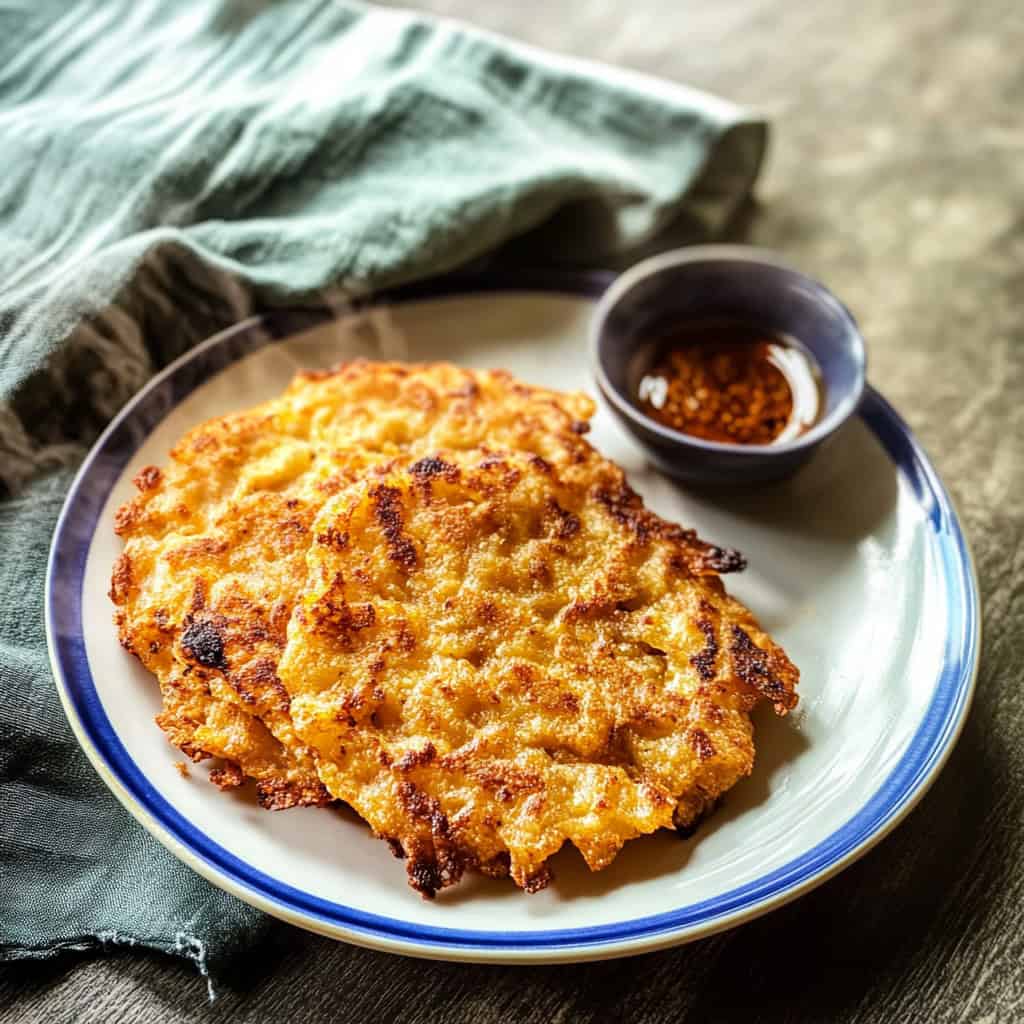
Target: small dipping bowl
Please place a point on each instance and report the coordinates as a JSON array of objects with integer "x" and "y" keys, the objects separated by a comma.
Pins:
[{"x": 723, "y": 282}]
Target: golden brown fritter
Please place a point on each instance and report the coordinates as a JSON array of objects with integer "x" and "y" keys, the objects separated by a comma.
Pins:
[
  {"x": 215, "y": 543},
  {"x": 495, "y": 654}
]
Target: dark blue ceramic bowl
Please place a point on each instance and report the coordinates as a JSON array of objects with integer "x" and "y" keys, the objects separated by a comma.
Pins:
[{"x": 739, "y": 283}]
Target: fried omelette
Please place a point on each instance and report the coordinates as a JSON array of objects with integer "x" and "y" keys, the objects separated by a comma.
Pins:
[
  {"x": 216, "y": 542},
  {"x": 495, "y": 655},
  {"x": 418, "y": 589}
]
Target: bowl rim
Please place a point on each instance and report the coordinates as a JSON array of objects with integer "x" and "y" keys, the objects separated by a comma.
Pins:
[{"x": 672, "y": 258}]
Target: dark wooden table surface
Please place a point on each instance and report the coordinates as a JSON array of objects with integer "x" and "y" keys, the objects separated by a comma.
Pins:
[{"x": 896, "y": 175}]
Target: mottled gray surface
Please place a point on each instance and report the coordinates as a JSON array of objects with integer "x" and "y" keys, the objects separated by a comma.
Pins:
[{"x": 897, "y": 176}]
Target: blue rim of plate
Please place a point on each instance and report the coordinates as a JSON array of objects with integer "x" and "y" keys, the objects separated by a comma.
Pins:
[{"x": 918, "y": 766}]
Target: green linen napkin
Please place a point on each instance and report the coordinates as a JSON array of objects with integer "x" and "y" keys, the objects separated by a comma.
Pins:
[{"x": 170, "y": 167}]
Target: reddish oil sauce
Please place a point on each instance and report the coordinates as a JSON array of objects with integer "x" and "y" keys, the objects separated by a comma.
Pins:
[{"x": 731, "y": 382}]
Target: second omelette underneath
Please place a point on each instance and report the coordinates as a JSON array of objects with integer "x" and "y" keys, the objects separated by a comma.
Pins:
[{"x": 465, "y": 626}]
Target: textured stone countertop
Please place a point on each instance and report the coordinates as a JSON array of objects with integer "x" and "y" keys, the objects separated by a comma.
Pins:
[{"x": 897, "y": 176}]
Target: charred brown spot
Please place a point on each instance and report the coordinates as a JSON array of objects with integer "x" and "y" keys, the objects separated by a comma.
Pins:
[
  {"x": 121, "y": 580},
  {"x": 624, "y": 505},
  {"x": 353, "y": 703},
  {"x": 416, "y": 758},
  {"x": 584, "y": 608},
  {"x": 203, "y": 642},
  {"x": 723, "y": 560},
  {"x": 332, "y": 537},
  {"x": 693, "y": 555},
  {"x": 434, "y": 861},
  {"x": 704, "y": 661},
  {"x": 405, "y": 639},
  {"x": 333, "y": 616},
  {"x": 698, "y": 558},
  {"x": 432, "y": 466},
  {"x": 387, "y": 509},
  {"x": 488, "y": 612},
  {"x": 712, "y": 712},
  {"x": 280, "y": 794},
  {"x": 539, "y": 463},
  {"x": 332, "y": 485},
  {"x": 580, "y": 427},
  {"x": 758, "y": 669},
  {"x": 147, "y": 478},
  {"x": 568, "y": 702},
  {"x": 248, "y": 622},
  {"x": 228, "y": 776},
  {"x": 503, "y": 779},
  {"x": 701, "y": 744},
  {"x": 505, "y": 475},
  {"x": 651, "y": 650},
  {"x": 362, "y": 616},
  {"x": 423, "y": 808},
  {"x": 192, "y": 550},
  {"x": 540, "y": 571},
  {"x": 566, "y": 524},
  {"x": 259, "y": 683},
  {"x": 425, "y": 876},
  {"x": 525, "y": 673}
]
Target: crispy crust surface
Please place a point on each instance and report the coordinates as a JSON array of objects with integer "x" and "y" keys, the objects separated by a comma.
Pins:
[
  {"x": 493, "y": 658},
  {"x": 215, "y": 543},
  {"x": 419, "y": 589}
]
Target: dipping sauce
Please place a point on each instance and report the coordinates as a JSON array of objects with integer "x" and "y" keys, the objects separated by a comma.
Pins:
[{"x": 731, "y": 382}]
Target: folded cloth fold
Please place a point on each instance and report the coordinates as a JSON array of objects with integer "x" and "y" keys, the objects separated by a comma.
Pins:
[{"x": 168, "y": 169}]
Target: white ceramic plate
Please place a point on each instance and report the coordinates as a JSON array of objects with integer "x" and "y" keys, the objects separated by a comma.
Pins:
[{"x": 858, "y": 567}]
